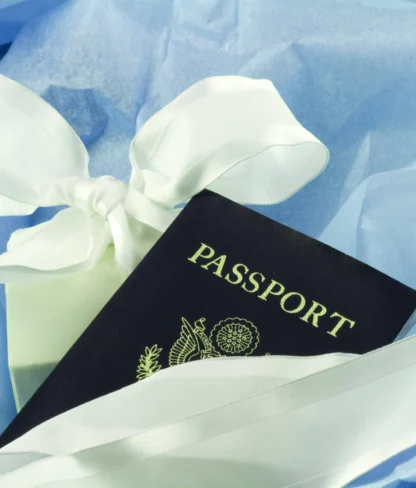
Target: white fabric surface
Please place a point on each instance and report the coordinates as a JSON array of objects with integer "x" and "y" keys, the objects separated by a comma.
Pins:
[
  {"x": 267, "y": 421},
  {"x": 231, "y": 134}
]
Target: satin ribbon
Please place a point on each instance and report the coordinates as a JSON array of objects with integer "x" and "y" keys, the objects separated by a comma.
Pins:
[
  {"x": 230, "y": 134},
  {"x": 304, "y": 422}
]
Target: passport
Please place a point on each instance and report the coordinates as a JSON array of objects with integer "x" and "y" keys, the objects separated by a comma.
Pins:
[{"x": 224, "y": 280}]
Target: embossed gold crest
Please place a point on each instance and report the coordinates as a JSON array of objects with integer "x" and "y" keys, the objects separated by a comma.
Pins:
[
  {"x": 230, "y": 337},
  {"x": 193, "y": 343}
]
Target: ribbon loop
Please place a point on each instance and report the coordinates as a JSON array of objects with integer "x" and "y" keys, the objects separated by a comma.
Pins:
[
  {"x": 231, "y": 134},
  {"x": 37, "y": 147}
]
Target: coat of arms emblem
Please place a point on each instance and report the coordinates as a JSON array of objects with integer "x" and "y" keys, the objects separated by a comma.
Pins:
[{"x": 229, "y": 337}]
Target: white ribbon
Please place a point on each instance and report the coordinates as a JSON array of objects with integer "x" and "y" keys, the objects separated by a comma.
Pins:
[
  {"x": 273, "y": 421},
  {"x": 230, "y": 134}
]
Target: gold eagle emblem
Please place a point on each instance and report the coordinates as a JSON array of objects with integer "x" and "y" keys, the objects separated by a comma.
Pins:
[
  {"x": 193, "y": 343},
  {"x": 230, "y": 337}
]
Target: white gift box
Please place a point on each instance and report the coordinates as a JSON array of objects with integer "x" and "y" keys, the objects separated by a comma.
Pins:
[{"x": 45, "y": 318}]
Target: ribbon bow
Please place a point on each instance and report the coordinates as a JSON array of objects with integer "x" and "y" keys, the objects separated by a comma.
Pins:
[{"x": 230, "y": 134}]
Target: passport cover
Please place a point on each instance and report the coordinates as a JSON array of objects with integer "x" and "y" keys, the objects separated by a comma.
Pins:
[{"x": 223, "y": 281}]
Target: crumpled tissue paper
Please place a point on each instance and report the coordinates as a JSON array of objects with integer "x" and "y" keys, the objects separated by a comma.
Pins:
[{"x": 346, "y": 68}]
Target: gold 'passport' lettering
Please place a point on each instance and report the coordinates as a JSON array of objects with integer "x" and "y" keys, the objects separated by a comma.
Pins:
[{"x": 291, "y": 302}]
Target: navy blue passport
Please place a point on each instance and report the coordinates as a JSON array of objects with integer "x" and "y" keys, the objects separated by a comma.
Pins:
[{"x": 224, "y": 281}]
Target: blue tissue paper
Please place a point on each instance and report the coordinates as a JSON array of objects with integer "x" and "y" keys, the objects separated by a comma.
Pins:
[
  {"x": 16, "y": 13},
  {"x": 346, "y": 68}
]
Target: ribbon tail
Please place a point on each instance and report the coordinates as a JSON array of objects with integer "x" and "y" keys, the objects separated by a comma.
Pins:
[
  {"x": 127, "y": 255},
  {"x": 72, "y": 241},
  {"x": 136, "y": 226}
]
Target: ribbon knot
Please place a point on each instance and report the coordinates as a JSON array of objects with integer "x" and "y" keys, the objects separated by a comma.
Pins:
[
  {"x": 233, "y": 135},
  {"x": 99, "y": 195}
]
